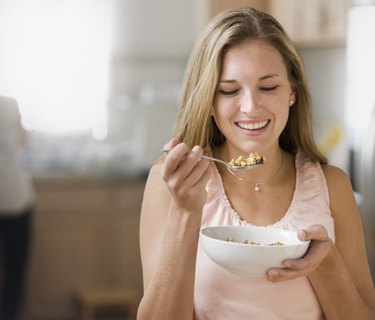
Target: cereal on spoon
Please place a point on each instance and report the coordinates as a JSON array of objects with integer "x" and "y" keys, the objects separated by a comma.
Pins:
[{"x": 254, "y": 159}]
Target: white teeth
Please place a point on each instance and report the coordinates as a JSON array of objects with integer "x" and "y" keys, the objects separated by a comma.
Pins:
[{"x": 252, "y": 126}]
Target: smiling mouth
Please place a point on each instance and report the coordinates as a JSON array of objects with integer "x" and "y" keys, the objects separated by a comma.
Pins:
[{"x": 253, "y": 126}]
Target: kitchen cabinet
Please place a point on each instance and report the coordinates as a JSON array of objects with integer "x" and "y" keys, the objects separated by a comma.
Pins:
[
  {"x": 310, "y": 23},
  {"x": 85, "y": 236},
  {"x": 217, "y": 6},
  {"x": 313, "y": 23}
]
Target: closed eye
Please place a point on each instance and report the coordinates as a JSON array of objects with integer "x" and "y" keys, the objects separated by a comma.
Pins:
[
  {"x": 268, "y": 89},
  {"x": 228, "y": 92}
]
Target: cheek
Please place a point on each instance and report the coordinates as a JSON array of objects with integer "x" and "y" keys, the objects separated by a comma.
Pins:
[
  {"x": 280, "y": 109},
  {"x": 223, "y": 109},
  {"x": 221, "y": 114},
  {"x": 283, "y": 117}
]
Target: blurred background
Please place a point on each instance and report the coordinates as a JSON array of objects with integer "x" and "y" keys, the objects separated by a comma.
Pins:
[{"x": 98, "y": 84}]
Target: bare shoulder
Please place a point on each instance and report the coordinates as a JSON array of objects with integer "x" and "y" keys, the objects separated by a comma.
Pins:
[
  {"x": 338, "y": 182},
  {"x": 343, "y": 205},
  {"x": 334, "y": 174},
  {"x": 344, "y": 209}
]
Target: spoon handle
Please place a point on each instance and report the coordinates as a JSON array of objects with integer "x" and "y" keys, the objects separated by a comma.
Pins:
[
  {"x": 205, "y": 157},
  {"x": 215, "y": 159}
]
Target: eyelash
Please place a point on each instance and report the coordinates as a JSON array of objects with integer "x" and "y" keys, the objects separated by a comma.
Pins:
[
  {"x": 233, "y": 92},
  {"x": 228, "y": 93},
  {"x": 269, "y": 89}
]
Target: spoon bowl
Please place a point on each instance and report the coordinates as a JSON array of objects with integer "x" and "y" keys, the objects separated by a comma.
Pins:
[{"x": 231, "y": 167}]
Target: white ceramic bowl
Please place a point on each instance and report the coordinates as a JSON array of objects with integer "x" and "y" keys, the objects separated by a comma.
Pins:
[{"x": 251, "y": 259}]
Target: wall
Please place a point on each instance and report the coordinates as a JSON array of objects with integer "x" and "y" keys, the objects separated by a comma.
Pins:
[
  {"x": 152, "y": 42},
  {"x": 326, "y": 74}
]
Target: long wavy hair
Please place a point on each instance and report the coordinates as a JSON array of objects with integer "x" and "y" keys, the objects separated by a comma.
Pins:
[{"x": 194, "y": 124}]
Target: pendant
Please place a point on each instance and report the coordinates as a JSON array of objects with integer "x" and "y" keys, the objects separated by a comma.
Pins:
[{"x": 256, "y": 187}]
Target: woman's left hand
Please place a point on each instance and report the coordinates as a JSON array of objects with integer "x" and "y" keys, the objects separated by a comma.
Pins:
[{"x": 319, "y": 247}]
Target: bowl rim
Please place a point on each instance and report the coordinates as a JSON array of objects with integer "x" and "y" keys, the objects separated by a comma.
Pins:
[{"x": 260, "y": 245}]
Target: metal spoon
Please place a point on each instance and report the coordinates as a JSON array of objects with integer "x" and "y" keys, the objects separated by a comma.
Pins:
[{"x": 230, "y": 167}]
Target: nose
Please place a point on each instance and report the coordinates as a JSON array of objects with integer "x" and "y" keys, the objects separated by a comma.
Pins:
[{"x": 249, "y": 101}]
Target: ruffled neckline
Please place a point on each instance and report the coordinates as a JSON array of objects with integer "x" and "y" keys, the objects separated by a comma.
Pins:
[{"x": 304, "y": 172}]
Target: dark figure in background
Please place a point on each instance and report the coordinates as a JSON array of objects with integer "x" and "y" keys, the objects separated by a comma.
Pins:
[{"x": 16, "y": 205}]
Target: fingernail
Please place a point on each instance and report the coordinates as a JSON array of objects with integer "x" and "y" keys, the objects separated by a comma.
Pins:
[
  {"x": 302, "y": 235},
  {"x": 167, "y": 147},
  {"x": 195, "y": 149},
  {"x": 272, "y": 274}
]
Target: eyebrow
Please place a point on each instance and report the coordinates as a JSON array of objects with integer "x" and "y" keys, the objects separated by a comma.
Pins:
[
  {"x": 268, "y": 76},
  {"x": 273, "y": 75}
]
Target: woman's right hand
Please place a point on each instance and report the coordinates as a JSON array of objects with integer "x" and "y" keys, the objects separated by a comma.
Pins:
[{"x": 186, "y": 175}]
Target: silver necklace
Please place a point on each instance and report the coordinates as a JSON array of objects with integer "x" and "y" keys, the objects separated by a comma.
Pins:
[{"x": 258, "y": 184}]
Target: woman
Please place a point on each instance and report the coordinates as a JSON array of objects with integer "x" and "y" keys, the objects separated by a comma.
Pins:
[
  {"x": 17, "y": 198},
  {"x": 245, "y": 91}
]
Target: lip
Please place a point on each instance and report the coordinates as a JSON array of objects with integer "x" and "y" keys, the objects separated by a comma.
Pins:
[{"x": 251, "y": 127}]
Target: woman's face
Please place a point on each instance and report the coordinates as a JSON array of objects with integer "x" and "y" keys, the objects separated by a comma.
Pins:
[{"x": 252, "y": 98}]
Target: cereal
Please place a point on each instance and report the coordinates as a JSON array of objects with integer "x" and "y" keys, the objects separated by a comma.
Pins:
[
  {"x": 277, "y": 243},
  {"x": 253, "y": 159}
]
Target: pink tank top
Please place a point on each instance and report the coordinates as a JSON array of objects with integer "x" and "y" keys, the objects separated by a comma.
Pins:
[{"x": 220, "y": 295}]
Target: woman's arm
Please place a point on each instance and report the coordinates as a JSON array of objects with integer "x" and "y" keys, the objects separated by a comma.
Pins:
[
  {"x": 169, "y": 230},
  {"x": 343, "y": 281},
  {"x": 339, "y": 273}
]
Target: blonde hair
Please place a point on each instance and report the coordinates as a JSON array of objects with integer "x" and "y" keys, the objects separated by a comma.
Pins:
[{"x": 194, "y": 124}]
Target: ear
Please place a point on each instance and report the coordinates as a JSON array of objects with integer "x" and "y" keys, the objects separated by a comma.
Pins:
[{"x": 292, "y": 99}]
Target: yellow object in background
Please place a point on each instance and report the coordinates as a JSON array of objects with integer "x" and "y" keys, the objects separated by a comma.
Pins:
[{"x": 330, "y": 139}]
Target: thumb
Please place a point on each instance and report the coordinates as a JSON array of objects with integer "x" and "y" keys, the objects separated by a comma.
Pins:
[{"x": 314, "y": 232}]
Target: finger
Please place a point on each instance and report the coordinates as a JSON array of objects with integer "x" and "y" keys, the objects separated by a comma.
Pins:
[
  {"x": 174, "y": 159},
  {"x": 188, "y": 170},
  {"x": 203, "y": 181},
  {"x": 199, "y": 174},
  {"x": 170, "y": 144},
  {"x": 298, "y": 264},
  {"x": 278, "y": 274},
  {"x": 181, "y": 166},
  {"x": 315, "y": 254},
  {"x": 194, "y": 187},
  {"x": 315, "y": 232}
]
